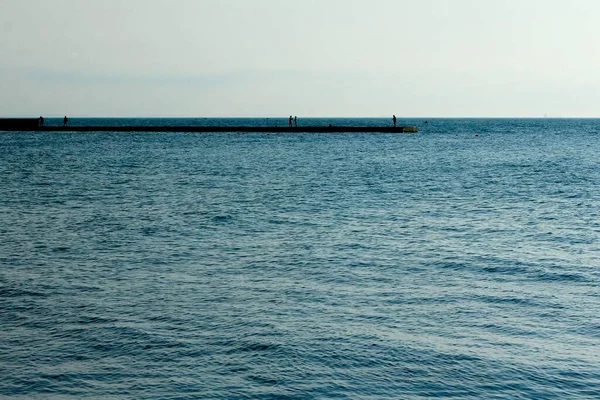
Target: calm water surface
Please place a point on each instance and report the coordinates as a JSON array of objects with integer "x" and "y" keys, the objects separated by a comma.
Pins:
[{"x": 302, "y": 266}]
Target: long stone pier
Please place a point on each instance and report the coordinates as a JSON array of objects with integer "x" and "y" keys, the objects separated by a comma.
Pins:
[{"x": 29, "y": 124}]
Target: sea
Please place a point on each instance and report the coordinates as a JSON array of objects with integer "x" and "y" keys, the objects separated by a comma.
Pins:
[{"x": 461, "y": 262}]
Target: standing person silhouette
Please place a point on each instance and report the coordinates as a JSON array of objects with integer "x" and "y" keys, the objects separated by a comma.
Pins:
[
  {"x": 41, "y": 123},
  {"x": 394, "y": 119},
  {"x": 290, "y": 124},
  {"x": 296, "y": 121},
  {"x": 65, "y": 121}
]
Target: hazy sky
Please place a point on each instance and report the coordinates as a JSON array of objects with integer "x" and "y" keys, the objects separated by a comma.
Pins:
[{"x": 303, "y": 57}]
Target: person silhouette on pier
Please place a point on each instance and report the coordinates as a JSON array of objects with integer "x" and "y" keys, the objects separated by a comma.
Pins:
[
  {"x": 296, "y": 121},
  {"x": 290, "y": 121},
  {"x": 41, "y": 123},
  {"x": 394, "y": 119},
  {"x": 65, "y": 121}
]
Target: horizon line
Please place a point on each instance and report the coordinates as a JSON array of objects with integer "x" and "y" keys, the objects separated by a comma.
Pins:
[{"x": 285, "y": 117}]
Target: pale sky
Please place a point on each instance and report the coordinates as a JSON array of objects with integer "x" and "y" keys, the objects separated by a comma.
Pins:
[{"x": 354, "y": 58}]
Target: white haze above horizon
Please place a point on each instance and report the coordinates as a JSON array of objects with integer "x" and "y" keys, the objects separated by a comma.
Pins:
[{"x": 354, "y": 58}]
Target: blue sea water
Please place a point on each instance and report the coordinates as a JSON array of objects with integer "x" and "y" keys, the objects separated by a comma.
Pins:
[{"x": 462, "y": 262}]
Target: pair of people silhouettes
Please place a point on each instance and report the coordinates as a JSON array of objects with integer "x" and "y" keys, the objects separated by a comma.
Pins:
[
  {"x": 65, "y": 121},
  {"x": 294, "y": 121}
]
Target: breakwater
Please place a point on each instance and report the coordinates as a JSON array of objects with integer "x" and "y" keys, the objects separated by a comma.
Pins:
[{"x": 29, "y": 126}]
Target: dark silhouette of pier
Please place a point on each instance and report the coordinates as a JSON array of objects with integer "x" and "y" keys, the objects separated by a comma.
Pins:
[
  {"x": 21, "y": 124},
  {"x": 32, "y": 124}
]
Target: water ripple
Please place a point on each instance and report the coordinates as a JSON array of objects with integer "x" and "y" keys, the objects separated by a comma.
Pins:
[{"x": 184, "y": 266}]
